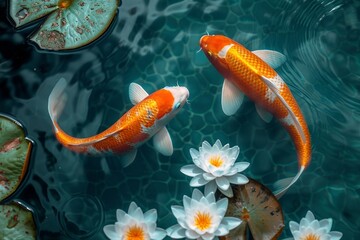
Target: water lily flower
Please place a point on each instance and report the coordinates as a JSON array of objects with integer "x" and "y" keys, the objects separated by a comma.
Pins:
[
  {"x": 312, "y": 229},
  {"x": 134, "y": 225},
  {"x": 202, "y": 217},
  {"x": 215, "y": 168}
]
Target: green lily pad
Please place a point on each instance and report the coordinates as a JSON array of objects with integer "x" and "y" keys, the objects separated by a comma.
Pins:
[
  {"x": 258, "y": 208},
  {"x": 16, "y": 222},
  {"x": 71, "y": 23},
  {"x": 15, "y": 151}
]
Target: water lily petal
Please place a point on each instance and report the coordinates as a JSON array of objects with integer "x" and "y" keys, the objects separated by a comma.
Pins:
[
  {"x": 206, "y": 147},
  {"x": 335, "y": 235},
  {"x": 326, "y": 224},
  {"x": 231, "y": 222},
  {"x": 309, "y": 216},
  {"x": 151, "y": 215},
  {"x": 218, "y": 144},
  {"x": 210, "y": 187},
  {"x": 132, "y": 208},
  {"x": 197, "y": 195},
  {"x": 221, "y": 206},
  {"x": 210, "y": 197},
  {"x": 238, "y": 179},
  {"x": 208, "y": 176},
  {"x": 241, "y": 166},
  {"x": 223, "y": 183},
  {"x": 294, "y": 226},
  {"x": 110, "y": 232},
  {"x": 233, "y": 153},
  {"x": 194, "y": 153},
  {"x": 228, "y": 192},
  {"x": 191, "y": 170},
  {"x": 222, "y": 230},
  {"x": 178, "y": 212},
  {"x": 198, "y": 181},
  {"x": 120, "y": 214},
  {"x": 138, "y": 214},
  {"x": 158, "y": 234},
  {"x": 176, "y": 231},
  {"x": 191, "y": 234}
]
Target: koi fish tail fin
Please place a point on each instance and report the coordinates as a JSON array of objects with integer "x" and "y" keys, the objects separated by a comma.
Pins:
[
  {"x": 57, "y": 100},
  {"x": 284, "y": 184}
]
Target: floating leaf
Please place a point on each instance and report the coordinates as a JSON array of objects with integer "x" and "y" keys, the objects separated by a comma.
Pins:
[
  {"x": 71, "y": 24},
  {"x": 258, "y": 208},
  {"x": 15, "y": 151},
  {"x": 16, "y": 222}
]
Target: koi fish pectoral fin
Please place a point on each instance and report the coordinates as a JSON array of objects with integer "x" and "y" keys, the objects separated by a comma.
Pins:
[
  {"x": 284, "y": 184},
  {"x": 162, "y": 142},
  {"x": 265, "y": 115},
  {"x": 128, "y": 158},
  {"x": 273, "y": 58},
  {"x": 295, "y": 120},
  {"x": 136, "y": 93},
  {"x": 231, "y": 98}
]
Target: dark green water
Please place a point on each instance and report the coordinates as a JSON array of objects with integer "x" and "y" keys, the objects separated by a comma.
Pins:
[{"x": 155, "y": 43}]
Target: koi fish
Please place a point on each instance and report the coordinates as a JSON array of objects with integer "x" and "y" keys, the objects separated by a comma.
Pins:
[
  {"x": 148, "y": 118},
  {"x": 253, "y": 74}
]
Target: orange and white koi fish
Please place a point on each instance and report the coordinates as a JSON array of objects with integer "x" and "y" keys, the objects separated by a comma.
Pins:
[
  {"x": 145, "y": 120},
  {"x": 253, "y": 74}
]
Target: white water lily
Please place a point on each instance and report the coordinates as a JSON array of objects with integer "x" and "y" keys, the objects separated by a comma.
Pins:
[
  {"x": 312, "y": 229},
  {"x": 215, "y": 167},
  {"x": 135, "y": 225},
  {"x": 202, "y": 217}
]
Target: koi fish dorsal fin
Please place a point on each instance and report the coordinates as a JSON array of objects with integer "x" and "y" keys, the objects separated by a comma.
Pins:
[
  {"x": 273, "y": 58},
  {"x": 136, "y": 93},
  {"x": 57, "y": 100},
  {"x": 231, "y": 98},
  {"x": 276, "y": 90},
  {"x": 162, "y": 142}
]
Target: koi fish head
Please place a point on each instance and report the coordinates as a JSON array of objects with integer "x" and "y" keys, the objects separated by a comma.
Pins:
[
  {"x": 170, "y": 100},
  {"x": 215, "y": 48}
]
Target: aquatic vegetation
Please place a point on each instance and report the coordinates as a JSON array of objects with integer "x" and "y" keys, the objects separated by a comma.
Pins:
[
  {"x": 15, "y": 149},
  {"x": 134, "y": 225},
  {"x": 252, "y": 74},
  {"x": 148, "y": 118},
  {"x": 202, "y": 217},
  {"x": 16, "y": 222},
  {"x": 215, "y": 168},
  {"x": 258, "y": 208},
  {"x": 311, "y": 229},
  {"x": 70, "y": 24}
]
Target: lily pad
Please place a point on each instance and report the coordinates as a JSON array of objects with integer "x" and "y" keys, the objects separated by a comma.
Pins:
[
  {"x": 15, "y": 151},
  {"x": 71, "y": 23},
  {"x": 16, "y": 222},
  {"x": 258, "y": 208}
]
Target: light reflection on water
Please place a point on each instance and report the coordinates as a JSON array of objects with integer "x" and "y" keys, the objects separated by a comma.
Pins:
[{"x": 154, "y": 43}]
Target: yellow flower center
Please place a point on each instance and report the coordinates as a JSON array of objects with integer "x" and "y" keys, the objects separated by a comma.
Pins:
[
  {"x": 202, "y": 221},
  {"x": 216, "y": 161},
  {"x": 311, "y": 236},
  {"x": 135, "y": 233},
  {"x": 65, "y": 3}
]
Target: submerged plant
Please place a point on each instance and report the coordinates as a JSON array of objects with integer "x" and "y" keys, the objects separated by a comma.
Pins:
[
  {"x": 202, "y": 217},
  {"x": 215, "y": 167},
  {"x": 134, "y": 225},
  {"x": 70, "y": 24},
  {"x": 311, "y": 229}
]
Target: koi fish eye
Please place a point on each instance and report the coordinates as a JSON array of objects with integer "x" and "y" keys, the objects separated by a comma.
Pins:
[{"x": 177, "y": 105}]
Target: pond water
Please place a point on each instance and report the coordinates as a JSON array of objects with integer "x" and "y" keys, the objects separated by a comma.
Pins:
[{"x": 155, "y": 43}]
